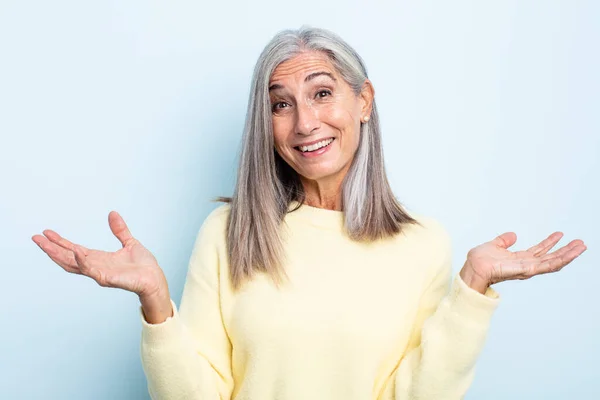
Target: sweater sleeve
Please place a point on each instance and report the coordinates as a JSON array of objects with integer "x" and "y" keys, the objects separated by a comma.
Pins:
[
  {"x": 188, "y": 356},
  {"x": 448, "y": 334}
]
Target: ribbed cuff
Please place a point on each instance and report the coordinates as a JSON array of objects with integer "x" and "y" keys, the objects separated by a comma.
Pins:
[
  {"x": 472, "y": 304},
  {"x": 157, "y": 334}
]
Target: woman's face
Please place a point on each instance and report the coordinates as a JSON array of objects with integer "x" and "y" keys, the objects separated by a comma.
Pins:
[{"x": 316, "y": 116}]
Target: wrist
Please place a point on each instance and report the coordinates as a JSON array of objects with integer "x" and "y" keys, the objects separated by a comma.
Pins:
[
  {"x": 474, "y": 280},
  {"x": 156, "y": 304},
  {"x": 154, "y": 285},
  {"x": 156, "y": 309}
]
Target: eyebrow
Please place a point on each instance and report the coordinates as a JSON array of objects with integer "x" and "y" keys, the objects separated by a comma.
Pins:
[
  {"x": 308, "y": 78},
  {"x": 315, "y": 74}
]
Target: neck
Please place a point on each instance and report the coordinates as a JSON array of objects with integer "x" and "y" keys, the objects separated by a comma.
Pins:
[{"x": 324, "y": 193}]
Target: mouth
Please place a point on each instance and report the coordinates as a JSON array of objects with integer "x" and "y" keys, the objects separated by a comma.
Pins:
[{"x": 315, "y": 148}]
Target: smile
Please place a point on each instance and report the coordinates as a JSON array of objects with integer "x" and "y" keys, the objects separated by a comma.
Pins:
[{"x": 315, "y": 147}]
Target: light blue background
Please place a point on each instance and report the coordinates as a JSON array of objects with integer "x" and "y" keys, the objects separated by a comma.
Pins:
[{"x": 490, "y": 121}]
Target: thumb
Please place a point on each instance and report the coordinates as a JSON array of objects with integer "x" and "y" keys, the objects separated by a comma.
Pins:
[
  {"x": 119, "y": 228},
  {"x": 505, "y": 240}
]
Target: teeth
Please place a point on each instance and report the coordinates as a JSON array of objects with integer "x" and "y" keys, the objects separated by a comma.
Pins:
[{"x": 315, "y": 146}]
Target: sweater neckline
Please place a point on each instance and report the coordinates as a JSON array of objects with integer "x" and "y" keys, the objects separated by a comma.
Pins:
[{"x": 316, "y": 216}]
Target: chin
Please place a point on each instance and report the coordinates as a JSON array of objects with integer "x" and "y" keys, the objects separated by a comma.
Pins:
[{"x": 317, "y": 174}]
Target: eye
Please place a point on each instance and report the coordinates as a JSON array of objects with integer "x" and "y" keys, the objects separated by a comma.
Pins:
[
  {"x": 323, "y": 93},
  {"x": 279, "y": 105}
]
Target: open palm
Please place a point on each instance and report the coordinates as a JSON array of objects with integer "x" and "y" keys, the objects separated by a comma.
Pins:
[
  {"x": 492, "y": 262},
  {"x": 132, "y": 268}
]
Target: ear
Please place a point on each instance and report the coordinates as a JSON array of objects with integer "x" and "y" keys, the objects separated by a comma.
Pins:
[{"x": 367, "y": 95}]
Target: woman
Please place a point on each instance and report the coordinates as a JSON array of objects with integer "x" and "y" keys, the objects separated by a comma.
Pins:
[{"x": 313, "y": 282}]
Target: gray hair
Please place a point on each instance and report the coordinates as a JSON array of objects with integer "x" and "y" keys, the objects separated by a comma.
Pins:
[{"x": 266, "y": 184}]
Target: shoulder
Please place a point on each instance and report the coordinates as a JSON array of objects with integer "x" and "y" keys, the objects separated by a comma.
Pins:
[
  {"x": 217, "y": 218},
  {"x": 434, "y": 243},
  {"x": 209, "y": 247},
  {"x": 430, "y": 231},
  {"x": 438, "y": 248},
  {"x": 214, "y": 227}
]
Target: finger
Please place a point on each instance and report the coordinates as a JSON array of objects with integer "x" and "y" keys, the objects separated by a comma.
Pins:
[
  {"x": 562, "y": 250},
  {"x": 119, "y": 228},
  {"x": 545, "y": 245},
  {"x": 64, "y": 258},
  {"x": 59, "y": 240},
  {"x": 558, "y": 262},
  {"x": 505, "y": 240}
]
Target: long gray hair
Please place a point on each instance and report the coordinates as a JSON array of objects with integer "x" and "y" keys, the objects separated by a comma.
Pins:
[{"x": 266, "y": 184}]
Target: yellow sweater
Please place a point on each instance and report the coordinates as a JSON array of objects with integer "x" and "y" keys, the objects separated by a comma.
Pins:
[{"x": 357, "y": 321}]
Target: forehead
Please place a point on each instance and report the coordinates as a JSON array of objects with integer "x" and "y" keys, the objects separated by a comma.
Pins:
[{"x": 302, "y": 65}]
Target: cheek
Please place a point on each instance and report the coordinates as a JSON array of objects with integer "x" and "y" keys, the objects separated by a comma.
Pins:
[
  {"x": 350, "y": 127},
  {"x": 344, "y": 120},
  {"x": 335, "y": 116},
  {"x": 280, "y": 133},
  {"x": 342, "y": 113}
]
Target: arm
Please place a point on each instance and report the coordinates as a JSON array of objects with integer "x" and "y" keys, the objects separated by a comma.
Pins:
[
  {"x": 448, "y": 335},
  {"x": 188, "y": 356}
]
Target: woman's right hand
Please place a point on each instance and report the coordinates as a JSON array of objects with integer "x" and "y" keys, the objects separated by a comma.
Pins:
[{"x": 132, "y": 268}]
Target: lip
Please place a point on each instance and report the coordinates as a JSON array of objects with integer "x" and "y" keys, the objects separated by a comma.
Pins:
[
  {"x": 318, "y": 152},
  {"x": 313, "y": 142}
]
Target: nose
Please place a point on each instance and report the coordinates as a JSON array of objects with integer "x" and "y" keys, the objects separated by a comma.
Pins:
[{"x": 307, "y": 119}]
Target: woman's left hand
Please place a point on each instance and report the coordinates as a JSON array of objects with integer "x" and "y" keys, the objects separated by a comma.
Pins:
[{"x": 491, "y": 262}]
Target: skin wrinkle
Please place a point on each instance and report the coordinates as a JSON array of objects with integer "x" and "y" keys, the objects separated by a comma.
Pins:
[{"x": 312, "y": 102}]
